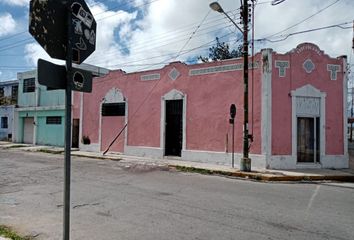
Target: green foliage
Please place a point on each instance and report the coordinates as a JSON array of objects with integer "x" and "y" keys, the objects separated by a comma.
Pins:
[
  {"x": 221, "y": 51},
  {"x": 8, "y": 233}
]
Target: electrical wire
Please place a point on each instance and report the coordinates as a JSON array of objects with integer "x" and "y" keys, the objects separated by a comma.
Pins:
[
  {"x": 304, "y": 20},
  {"x": 193, "y": 33},
  {"x": 304, "y": 31}
]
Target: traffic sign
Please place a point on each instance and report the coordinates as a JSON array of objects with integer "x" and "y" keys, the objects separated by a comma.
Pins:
[
  {"x": 81, "y": 80},
  {"x": 48, "y": 26},
  {"x": 51, "y": 75},
  {"x": 83, "y": 31},
  {"x": 55, "y": 76}
]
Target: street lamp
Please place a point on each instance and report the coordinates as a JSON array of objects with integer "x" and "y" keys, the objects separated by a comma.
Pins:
[
  {"x": 245, "y": 162},
  {"x": 216, "y": 7}
]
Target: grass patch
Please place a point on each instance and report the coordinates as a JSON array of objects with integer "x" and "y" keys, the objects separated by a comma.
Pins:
[
  {"x": 16, "y": 146},
  {"x": 9, "y": 233},
  {"x": 195, "y": 170},
  {"x": 50, "y": 151}
]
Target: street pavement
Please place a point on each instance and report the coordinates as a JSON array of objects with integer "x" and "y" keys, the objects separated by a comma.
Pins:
[
  {"x": 144, "y": 200},
  {"x": 317, "y": 174}
]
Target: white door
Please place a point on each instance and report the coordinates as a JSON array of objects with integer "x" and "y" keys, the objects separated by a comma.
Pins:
[{"x": 28, "y": 129}]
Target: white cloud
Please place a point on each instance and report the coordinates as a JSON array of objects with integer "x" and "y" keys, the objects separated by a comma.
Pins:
[
  {"x": 8, "y": 24},
  {"x": 163, "y": 27},
  {"x": 33, "y": 51},
  {"x": 16, "y": 2},
  {"x": 334, "y": 41}
]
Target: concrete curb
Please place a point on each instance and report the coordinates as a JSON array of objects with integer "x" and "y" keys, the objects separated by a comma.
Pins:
[
  {"x": 207, "y": 170},
  {"x": 266, "y": 177}
]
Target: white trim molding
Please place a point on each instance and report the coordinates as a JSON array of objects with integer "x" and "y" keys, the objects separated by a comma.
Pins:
[
  {"x": 221, "y": 158},
  {"x": 345, "y": 117},
  {"x": 172, "y": 95},
  {"x": 317, "y": 103},
  {"x": 141, "y": 151},
  {"x": 266, "y": 123},
  {"x": 114, "y": 95}
]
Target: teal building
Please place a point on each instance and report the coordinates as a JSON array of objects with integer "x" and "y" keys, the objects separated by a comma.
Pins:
[{"x": 40, "y": 113}]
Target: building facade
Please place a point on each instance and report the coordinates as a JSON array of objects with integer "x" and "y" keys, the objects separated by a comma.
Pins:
[
  {"x": 40, "y": 115},
  {"x": 8, "y": 101},
  {"x": 39, "y": 118},
  {"x": 297, "y": 103}
]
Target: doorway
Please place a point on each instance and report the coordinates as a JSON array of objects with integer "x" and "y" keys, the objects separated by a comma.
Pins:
[
  {"x": 174, "y": 127},
  {"x": 308, "y": 138},
  {"x": 28, "y": 130},
  {"x": 75, "y": 133}
]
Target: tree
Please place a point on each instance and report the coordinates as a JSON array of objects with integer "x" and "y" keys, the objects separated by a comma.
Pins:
[{"x": 221, "y": 51}]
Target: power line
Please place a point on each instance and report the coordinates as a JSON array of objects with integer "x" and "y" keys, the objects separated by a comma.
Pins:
[
  {"x": 148, "y": 42},
  {"x": 143, "y": 49},
  {"x": 304, "y": 20},
  {"x": 305, "y": 31},
  {"x": 17, "y": 44},
  {"x": 109, "y": 9}
]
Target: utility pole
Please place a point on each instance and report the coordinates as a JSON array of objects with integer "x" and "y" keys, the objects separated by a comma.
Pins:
[
  {"x": 245, "y": 163},
  {"x": 351, "y": 115}
]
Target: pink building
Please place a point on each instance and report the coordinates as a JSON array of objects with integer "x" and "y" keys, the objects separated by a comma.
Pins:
[{"x": 296, "y": 117}]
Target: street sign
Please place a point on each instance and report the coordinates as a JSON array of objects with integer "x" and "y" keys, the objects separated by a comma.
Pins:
[
  {"x": 81, "y": 80},
  {"x": 83, "y": 31},
  {"x": 232, "y": 111},
  {"x": 54, "y": 76},
  {"x": 66, "y": 30},
  {"x": 51, "y": 75},
  {"x": 48, "y": 26}
]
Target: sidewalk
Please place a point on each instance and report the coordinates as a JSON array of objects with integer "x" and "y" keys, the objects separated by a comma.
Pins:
[{"x": 343, "y": 175}]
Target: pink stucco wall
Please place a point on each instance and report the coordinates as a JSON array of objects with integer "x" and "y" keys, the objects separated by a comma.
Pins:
[
  {"x": 297, "y": 77},
  {"x": 208, "y": 101},
  {"x": 110, "y": 125}
]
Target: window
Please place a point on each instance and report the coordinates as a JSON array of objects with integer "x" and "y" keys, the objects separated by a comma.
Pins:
[
  {"x": 51, "y": 89},
  {"x": 14, "y": 94},
  {"x": 28, "y": 85},
  {"x": 53, "y": 120},
  {"x": 113, "y": 109},
  {"x": 4, "y": 122},
  {"x": 2, "y": 95}
]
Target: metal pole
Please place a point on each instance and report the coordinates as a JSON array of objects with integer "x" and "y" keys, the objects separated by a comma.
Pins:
[
  {"x": 233, "y": 149},
  {"x": 67, "y": 161},
  {"x": 351, "y": 115},
  {"x": 245, "y": 164}
]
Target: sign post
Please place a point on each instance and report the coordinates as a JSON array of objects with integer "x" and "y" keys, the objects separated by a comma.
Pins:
[
  {"x": 72, "y": 40},
  {"x": 232, "y": 121},
  {"x": 67, "y": 149}
]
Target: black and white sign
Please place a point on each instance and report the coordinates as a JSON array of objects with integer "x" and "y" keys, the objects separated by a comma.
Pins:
[
  {"x": 48, "y": 25},
  {"x": 83, "y": 31},
  {"x": 54, "y": 76}
]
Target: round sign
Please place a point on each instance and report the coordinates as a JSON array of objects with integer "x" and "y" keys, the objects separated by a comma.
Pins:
[{"x": 232, "y": 111}]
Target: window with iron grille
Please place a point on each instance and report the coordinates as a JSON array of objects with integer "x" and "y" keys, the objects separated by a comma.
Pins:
[
  {"x": 113, "y": 109},
  {"x": 51, "y": 89},
  {"x": 53, "y": 120},
  {"x": 4, "y": 122},
  {"x": 28, "y": 85},
  {"x": 2, "y": 95},
  {"x": 14, "y": 94}
]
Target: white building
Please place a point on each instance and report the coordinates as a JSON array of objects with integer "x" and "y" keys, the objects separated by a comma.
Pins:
[{"x": 8, "y": 101}]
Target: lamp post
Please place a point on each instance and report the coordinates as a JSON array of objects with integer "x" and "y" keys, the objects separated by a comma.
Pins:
[{"x": 245, "y": 162}]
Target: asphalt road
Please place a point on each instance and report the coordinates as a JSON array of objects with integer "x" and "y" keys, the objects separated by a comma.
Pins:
[{"x": 125, "y": 200}]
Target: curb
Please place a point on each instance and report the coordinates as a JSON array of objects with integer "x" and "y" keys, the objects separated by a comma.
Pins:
[
  {"x": 258, "y": 176},
  {"x": 264, "y": 176}
]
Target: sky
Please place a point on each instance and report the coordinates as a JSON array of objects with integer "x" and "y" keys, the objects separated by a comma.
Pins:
[{"x": 136, "y": 35}]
